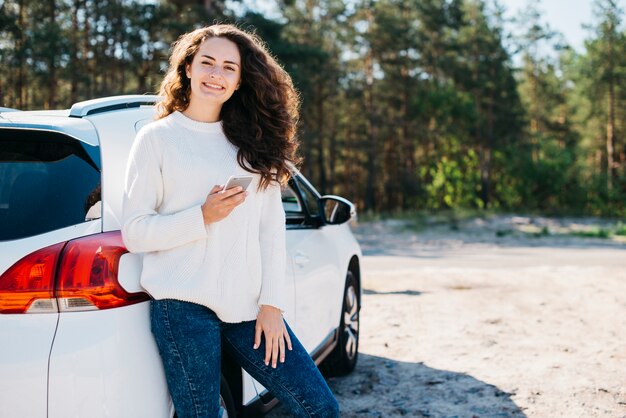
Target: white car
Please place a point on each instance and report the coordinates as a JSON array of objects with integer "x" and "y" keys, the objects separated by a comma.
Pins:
[{"x": 74, "y": 321}]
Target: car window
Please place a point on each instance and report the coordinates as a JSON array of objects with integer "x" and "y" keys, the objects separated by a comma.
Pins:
[
  {"x": 310, "y": 200},
  {"x": 48, "y": 181},
  {"x": 291, "y": 204}
]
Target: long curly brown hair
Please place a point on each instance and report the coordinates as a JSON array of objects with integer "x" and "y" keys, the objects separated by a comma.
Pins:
[{"x": 260, "y": 118}]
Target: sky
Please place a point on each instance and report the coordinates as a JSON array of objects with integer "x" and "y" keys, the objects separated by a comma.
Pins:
[{"x": 565, "y": 16}]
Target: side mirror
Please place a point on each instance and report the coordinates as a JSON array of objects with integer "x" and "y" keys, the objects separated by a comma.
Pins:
[{"x": 337, "y": 210}]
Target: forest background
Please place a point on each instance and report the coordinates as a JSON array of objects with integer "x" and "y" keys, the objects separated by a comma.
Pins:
[{"x": 407, "y": 104}]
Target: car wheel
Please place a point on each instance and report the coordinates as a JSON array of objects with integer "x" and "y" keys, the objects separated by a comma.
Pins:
[
  {"x": 343, "y": 358},
  {"x": 227, "y": 406}
]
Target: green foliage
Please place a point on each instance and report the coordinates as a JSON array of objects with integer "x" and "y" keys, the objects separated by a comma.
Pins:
[
  {"x": 593, "y": 233},
  {"x": 407, "y": 104},
  {"x": 452, "y": 185}
]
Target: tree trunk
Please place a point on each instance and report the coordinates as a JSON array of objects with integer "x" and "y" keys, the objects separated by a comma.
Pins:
[
  {"x": 485, "y": 154},
  {"x": 321, "y": 155},
  {"x": 408, "y": 162},
  {"x": 370, "y": 197},
  {"x": 534, "y": 112},
  {"x": 21, "y": 71},
  {"x": 51, "y": 101},
  {"x": 610, "y": 126},
  {"x": 142, "y": 77},
  {"x": 485, "y": 169},
  {"x": 88, "y": 60},
  {"x": 332, "y": 156},
  {"x": 74, "y": 62}
]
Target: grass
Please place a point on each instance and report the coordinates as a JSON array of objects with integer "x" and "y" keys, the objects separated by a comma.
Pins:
[
  {"x": 593, "y": 233},
  {"x": 620, "y": 229},
  {"x": 617, "y": 230},
  {"x": 419, "y": 220},
  {"x": 504, "y": 232}
]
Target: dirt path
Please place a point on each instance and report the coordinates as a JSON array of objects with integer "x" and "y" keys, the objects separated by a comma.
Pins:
[{"x": 470, "y": 321}]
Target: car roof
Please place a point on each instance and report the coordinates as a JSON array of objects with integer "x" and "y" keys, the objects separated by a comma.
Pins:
[
  {"x": 75, "y": 121},
  {"x": 51, "y": 120}
]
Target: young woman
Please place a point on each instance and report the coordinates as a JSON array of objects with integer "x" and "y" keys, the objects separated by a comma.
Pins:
[{"x": 214, "y": 259}]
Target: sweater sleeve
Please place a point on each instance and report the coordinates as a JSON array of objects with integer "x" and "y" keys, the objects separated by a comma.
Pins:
[
  {"x": 143, "y": 228},
  {"x": 273, "y": 248}
]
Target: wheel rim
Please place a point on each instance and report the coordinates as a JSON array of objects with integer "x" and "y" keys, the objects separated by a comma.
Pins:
[
  {"x": 223, "y": 411},
  {"x": 351, "y": 322}
]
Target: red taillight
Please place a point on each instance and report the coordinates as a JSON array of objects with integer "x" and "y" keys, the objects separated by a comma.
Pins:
[
  {"x": 88, "y": 274},
  {"x": 86, "y": 278},
  {"x": 29, "y": 283}
]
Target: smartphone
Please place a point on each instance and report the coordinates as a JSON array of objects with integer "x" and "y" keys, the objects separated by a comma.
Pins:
[{"x": 241, "y": 180}]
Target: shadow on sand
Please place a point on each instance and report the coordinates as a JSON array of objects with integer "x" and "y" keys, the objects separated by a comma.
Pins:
[
  {"x": 381, "y": 387},
  {"x": 395, "y": 292}
]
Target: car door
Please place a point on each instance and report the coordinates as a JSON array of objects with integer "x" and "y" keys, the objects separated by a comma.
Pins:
[
  {"x": 45, "y": 179},
  {"x": 312, "y": 258}
]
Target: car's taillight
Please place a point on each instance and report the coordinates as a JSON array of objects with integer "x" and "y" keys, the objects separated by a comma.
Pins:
[
  {"x": 88, "y": 274},
  {"x": 79, "y": 275},
  {"x": 29, "y": 284}
]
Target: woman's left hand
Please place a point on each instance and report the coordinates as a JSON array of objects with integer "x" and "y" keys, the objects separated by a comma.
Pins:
[{"x": 270, "y": 323}]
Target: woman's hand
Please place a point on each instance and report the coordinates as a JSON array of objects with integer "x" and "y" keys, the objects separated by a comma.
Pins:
[
  {"x": 219, "y": 205},
  {"x": 270, "y": 323}
]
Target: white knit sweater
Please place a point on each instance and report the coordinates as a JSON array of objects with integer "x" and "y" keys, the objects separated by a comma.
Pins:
[{"x": 232, "y": 266}]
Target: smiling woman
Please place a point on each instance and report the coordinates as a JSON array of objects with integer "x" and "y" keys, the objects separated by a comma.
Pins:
[
  {"x": 214, "y": 259},
  {"x": 259, "y": 112},
  {"x": 214, "y": 74}
]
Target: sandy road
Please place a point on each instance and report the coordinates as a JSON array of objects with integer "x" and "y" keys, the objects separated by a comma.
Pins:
[{"x": 473, "y": 323}]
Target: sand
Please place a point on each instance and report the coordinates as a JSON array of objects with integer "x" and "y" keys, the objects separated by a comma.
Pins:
[{"x": 509, "y": 316}]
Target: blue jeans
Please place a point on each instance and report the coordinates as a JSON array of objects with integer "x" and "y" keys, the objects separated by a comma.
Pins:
[{"x": 190, "y": 338}]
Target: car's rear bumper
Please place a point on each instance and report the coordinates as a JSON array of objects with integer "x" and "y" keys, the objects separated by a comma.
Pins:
[{"x": 106, "y": 364}]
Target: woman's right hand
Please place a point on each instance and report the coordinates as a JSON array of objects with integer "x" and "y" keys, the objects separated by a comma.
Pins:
[{"x": 219, "y": 205}]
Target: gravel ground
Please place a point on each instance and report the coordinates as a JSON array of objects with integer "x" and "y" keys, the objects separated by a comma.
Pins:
[{"x": 509, "y": 316}]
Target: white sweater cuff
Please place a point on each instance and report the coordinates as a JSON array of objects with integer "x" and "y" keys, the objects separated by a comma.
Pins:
[
  {"x": 272, "y": 297},
  {"x": 190, "y": 222}
]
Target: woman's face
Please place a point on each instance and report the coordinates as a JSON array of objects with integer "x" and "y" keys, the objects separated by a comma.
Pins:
[{"x": 215, "y": 72}]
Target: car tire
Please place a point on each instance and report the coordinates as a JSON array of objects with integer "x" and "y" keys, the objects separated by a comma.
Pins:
[
  {"x": 344, "y": 356},
  {"x": 227, "y": 405}
]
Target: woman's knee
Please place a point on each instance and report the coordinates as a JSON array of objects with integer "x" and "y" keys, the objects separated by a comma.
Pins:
[{"x": 329, "y": 409}]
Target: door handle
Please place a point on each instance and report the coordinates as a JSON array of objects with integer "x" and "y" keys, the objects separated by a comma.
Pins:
[{"x": 300, "y": 259}]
